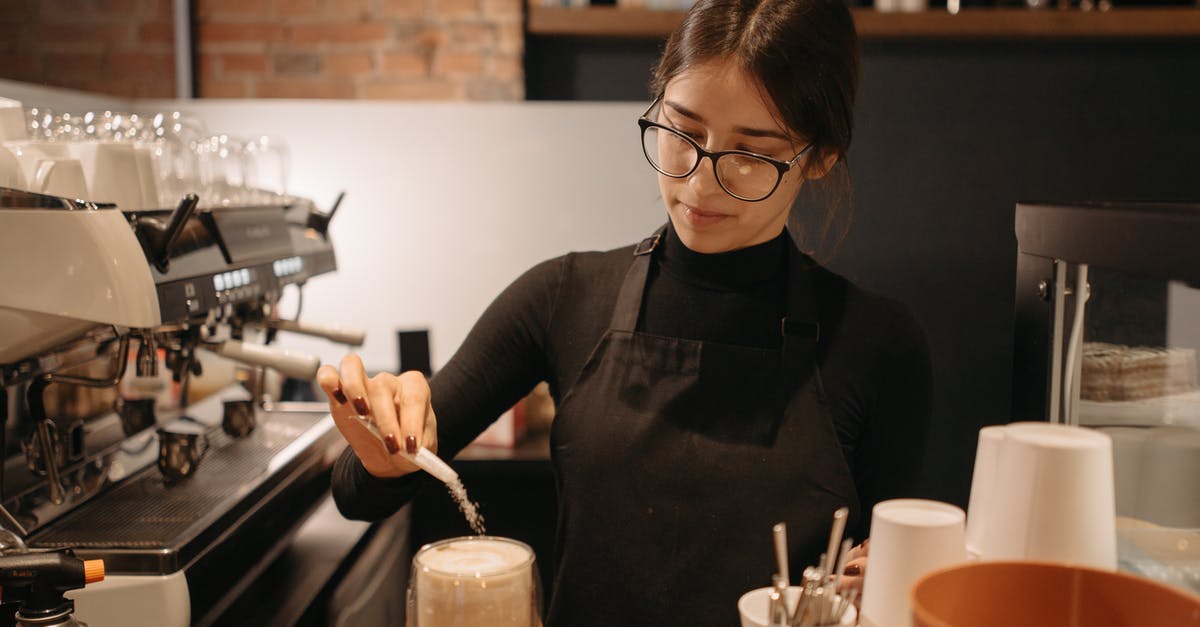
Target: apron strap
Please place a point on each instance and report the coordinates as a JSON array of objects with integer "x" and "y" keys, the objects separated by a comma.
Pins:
[
  {"x": 629, "y": 299},
  {"x": 800, "y": 327}
]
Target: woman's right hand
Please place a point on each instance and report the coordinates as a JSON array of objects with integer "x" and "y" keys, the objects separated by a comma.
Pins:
[{"x": 398, "y": 405}]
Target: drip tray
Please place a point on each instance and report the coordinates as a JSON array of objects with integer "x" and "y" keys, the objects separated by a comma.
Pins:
[{"x": 147, "y": 526}]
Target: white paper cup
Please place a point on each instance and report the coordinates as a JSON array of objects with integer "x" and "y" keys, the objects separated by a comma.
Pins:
[
  {"x": 983, "y": 482},
  {"x": 755, "y": 604},
  {"x": 111, "y": 169},
  {"x": 909, "y": 538},
  {"x": 1168, "y": 494},
  {"x": 1053, "y": 499},
  {"x": 1128, "y": 443},
  {"x": 12, "y": 120}
]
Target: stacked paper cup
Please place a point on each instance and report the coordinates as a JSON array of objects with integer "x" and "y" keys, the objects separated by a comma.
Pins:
[
  {"x": 909, "y": 538},
  {"x": 1044, "y": 492},
  {"x": 987, "y": 457}
]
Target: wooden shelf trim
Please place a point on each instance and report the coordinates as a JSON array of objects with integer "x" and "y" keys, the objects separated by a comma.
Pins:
[{"x": 971, "y": 23}]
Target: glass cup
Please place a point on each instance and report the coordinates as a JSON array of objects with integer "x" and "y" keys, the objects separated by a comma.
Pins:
[
  {"x": 474, "y": 580},
  {"x": 238, "y": 418},
  {"x": 180, "y": 450},
  {"x": 136, "y": 414}
]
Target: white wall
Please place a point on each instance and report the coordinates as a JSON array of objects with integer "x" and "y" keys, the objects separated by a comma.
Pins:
[{"x": 446, "y": 203}]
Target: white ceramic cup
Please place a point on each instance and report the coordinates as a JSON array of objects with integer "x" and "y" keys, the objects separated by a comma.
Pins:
[
  {"x": 148, "y": 176},
  {"x": 983, "y": 482},
  {"x": 754, "y": 606},
  {"x": 1128, "y": 445},
  {"x": 111, "y": 169},
  {"x": 11, "y": 173},
  {"x": 909, "y": 538},
  {"x": 1053, "y": 499},
  {"x": 1168, "y": 493},
  {"x": 49, "y": 168},
  {"x": 480, "y": 580},
  {"x": 62, "y": 177},
  {"x": 12, "y": 120}
]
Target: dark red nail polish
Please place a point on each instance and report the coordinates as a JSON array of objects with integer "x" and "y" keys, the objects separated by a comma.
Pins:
[
  {"x": 339, "y": 395},
  {"x": 360, "y": 406},
  {"x": 853, "y": 570},
  {"x": 390, "y": 442},
  {"x": 410, "y": 445}
]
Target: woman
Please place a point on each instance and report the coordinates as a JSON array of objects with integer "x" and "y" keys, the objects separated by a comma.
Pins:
[{"x": 711, "y": 380}]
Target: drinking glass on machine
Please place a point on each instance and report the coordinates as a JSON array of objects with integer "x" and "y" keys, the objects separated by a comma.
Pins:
[
  {"x": 223, "y": 170},
  {"x": 268, "y": 167},
  {"x": 474, "y": 580},
  {"x": 175, "y": 139}
]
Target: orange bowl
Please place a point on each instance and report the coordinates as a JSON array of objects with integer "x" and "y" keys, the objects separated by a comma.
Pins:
[{"x": 1039, "y": 594}]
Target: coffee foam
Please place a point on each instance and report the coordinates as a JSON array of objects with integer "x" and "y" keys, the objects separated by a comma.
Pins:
[{"x": 474, "y": 557}]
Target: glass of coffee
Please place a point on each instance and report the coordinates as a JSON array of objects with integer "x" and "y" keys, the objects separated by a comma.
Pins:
[{"x": 474, "y": 580}]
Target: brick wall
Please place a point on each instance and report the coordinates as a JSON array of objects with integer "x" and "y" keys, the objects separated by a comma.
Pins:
[
  {"x": 118, "y": 47},
  {"x": 374, "y": 49}
]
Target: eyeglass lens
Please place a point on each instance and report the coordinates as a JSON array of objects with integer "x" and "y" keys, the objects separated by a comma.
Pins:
[{"x": 743, "y": 176}]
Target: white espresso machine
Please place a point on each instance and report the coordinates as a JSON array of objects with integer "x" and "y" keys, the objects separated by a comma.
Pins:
[{"x": 121, "y": 328}]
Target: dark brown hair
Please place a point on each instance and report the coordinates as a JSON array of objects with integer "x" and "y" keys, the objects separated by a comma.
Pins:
[{"x": 804, "y": 54}]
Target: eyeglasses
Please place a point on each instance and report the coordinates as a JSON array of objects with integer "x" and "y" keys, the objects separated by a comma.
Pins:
[{"x": 744, "y": 175}]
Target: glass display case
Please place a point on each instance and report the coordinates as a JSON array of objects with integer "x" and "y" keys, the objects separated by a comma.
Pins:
[{"x": 1107, "y": 327}]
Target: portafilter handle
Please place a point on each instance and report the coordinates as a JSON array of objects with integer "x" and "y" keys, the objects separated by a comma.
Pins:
[
  {"x": 294, "y": 365},
  {"x": 341, "y": 335}
]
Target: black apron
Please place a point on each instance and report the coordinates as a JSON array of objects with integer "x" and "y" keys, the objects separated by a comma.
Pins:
[{"x": 675, "y": 457}]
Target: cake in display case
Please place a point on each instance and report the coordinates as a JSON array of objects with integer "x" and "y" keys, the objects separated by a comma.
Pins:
[{"x": 1107, "y": 327}]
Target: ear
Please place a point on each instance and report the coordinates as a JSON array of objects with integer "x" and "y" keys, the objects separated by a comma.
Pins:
[{"x": 821, "y": 164}]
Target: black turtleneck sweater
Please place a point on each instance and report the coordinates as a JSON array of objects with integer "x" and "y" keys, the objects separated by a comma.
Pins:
[{"x": 874, "y": 363}]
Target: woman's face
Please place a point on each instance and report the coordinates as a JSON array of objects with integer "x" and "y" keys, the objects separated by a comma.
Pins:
[{"x": 722, "y": 108}]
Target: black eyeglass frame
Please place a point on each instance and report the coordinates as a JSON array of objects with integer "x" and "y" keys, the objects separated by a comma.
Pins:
[{"x": 782, "y": 167}]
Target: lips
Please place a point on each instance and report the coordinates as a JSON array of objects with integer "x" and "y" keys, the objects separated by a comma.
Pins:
[{"x": 701, "y": 217}]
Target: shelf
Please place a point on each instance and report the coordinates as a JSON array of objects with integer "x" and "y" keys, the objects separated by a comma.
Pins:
[{"x": 972, "y": 23}]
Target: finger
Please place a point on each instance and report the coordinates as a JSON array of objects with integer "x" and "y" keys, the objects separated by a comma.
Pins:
[
  {"x": 855, "y": 568},
  {"x": 380, "y": 390},
  {"x": 412, "y": 399},
  {"x": 369, "y": 449},
  {"x": 354, "y": 384},
  {"x": 857, "y": 551},
  {"x": 331, "y": 383},
  {"x": 430, "y": 440},
  {"x": 866, "y": 547},
  {"x": 339, "y": 406}
]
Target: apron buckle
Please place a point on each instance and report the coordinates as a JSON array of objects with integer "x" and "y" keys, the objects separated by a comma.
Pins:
[{"x": 647, "y": 245}]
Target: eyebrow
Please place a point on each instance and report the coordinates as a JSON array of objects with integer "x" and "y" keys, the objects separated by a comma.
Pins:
[{"x": 740, "y": 130}]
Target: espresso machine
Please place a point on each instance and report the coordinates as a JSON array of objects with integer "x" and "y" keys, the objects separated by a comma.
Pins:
[{"x": 141, "y": 396}]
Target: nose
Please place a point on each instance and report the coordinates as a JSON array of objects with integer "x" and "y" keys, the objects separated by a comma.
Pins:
[{"x": 703, "y": 180}]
